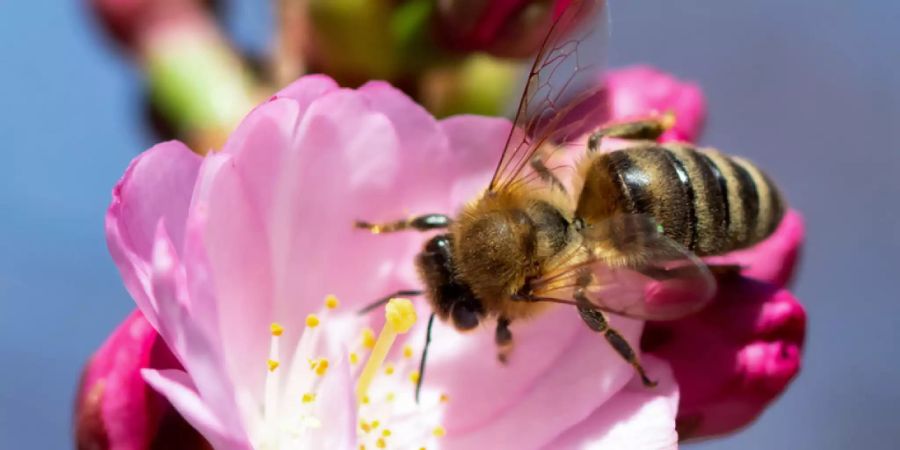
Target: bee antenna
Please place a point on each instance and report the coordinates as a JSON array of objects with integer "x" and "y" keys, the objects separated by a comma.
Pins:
[
  {"x": 383, "y": 300},
  {"x": 424, "y": 356}
]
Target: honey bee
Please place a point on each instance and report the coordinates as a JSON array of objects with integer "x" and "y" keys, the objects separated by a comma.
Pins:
[{"x": 624, "y": 237}]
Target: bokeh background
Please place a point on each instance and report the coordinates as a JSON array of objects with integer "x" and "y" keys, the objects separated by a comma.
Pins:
[{"x": 809, "y": 89}]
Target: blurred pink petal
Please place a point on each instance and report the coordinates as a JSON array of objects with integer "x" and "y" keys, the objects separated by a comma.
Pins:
[
  {"x": 267, "y": 234},
  {"x": 732, "y": 359},
  {"x": 640, "y": 90}
]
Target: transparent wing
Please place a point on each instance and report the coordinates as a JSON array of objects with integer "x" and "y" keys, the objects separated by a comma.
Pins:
[
  {"x": 628, "y": 266},
  {"x": 563, "y": 97}
]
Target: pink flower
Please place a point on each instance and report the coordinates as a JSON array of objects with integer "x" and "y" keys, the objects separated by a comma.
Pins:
[
  {"x": 732, "y": 359},
  {"x": 216, "y": 250},
  {"x": 116, "y": 409}
]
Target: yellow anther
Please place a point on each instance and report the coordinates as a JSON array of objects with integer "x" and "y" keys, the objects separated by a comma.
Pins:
[
  {"x": 390, "y": 396},
  {"x": 400, "y": 315},
  {"x": 276, "y": 329},
  {"x": 312, "y": 320},
  {"x": 331, "y": 302},
  {"x": 386, "y": 432},
  {"x": 422, "y": 448},
  {"x": 439, "y": 431},
  {"x": 322, "y": 366},
  {"x": 399, "y": 318},
  {"x": 365, "y": 426},
  {"x": 380, "y": 443},
  {"x": 389, "y": 370},
  {"x": 272, "y": 365},
  {"x": 414, "y": 376},
  {"x": 309, "y": 397},
  {"x": 375, "y": 424},
  {"x": 354, "y": 358},
  {"x": 445, "y": 398},
  {"x": 365, "y": 400},
  {"x": 368, "y": 338},
  {"x": 362, "y": 446},
  {"x": 407, "y": 351}
]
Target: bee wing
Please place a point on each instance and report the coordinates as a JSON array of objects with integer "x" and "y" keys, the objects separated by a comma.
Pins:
[
  {"x": 563, "y": 97},
  {"x": 634, "y": 270}
]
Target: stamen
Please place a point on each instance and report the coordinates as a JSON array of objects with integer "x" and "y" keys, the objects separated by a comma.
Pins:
[
  {"x": 365, "y": 426},
  {"x": 414, "y": 376},
  {"x": 321, "y": 367},
  {"x": 445, "y": 398},
  {"x": 390, "y": 396},
  {"x": 276, "y": 329},
  {"x": 272, "y": 365},
  {"x": 439, "y": 431},
  {"x": 389, "y": 369},
  {"x": 400, "y": 316},
  {"x": 375, "y": 424},
  {"x": 386, "y": 432},
  {"x": 309, "y": 397},
  {"x": 312, "y": 320},
  {"x": 354, "y": 358},
  {"x": 380, "y": 443},
  {"x": 407, "y": 351},
  {"x": 331, "y": 302},
  {"x": 368, "y": 338}
]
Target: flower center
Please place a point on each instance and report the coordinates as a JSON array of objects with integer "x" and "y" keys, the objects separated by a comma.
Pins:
[{"x": 388, "y": 415}]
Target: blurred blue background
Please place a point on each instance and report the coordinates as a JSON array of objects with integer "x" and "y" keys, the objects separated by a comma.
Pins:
[{"x": 808, "y": 89}]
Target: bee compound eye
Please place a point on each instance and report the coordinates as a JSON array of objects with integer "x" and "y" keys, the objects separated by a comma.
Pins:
[{"x": 465, "y": 315}]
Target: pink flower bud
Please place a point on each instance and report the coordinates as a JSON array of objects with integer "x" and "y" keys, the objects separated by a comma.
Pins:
[
  {"x": 128, "y": 20},
  {"x": 116, "y": 409},
  {"x": 509, "y": 28}
]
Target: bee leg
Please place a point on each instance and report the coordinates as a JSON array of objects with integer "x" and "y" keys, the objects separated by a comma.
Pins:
[
  {"x": 541, "y": 169},
  {"x": 503, "y": 338},
  {"x": 424, "y": 222},
  {"x": 383, "y": 300},
  {"x": 596, "y": 321},
  {"x": 645, "y": 129}
]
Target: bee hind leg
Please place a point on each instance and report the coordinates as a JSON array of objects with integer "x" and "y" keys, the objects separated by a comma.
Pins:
[
  {"x": 424, "y": 222},
  {"x": 504, "y": 340},
  {"x": 596, "y": 321},
  {"x": 645, "y": 129}
]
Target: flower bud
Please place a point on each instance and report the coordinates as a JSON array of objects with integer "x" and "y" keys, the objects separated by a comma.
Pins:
[
  {"x": 116, "y": 409},
  {"x": 508, "y": 28},
  {"x": 733, "y": 358},
  {"x": 128, "y": 20}
]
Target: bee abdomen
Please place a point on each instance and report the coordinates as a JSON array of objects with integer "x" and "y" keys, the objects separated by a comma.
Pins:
[{"x": 709, "y": 202}]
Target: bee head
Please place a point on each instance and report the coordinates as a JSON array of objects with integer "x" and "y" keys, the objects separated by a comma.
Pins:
[{"x": 451, "y": 299}]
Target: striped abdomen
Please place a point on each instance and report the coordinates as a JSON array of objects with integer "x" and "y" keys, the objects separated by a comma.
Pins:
[{"x": 709, "y": 202}]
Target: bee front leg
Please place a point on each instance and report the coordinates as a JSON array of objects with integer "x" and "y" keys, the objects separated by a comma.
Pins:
[
  {"x": 596, "y": 321},
  {"x": 503, "y": 338},
  {"x": 424, "y": 222}
]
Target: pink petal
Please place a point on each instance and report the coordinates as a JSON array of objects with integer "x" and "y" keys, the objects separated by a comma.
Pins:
[
  {"x": 197, "y": 352},
  {"x": 751, "y": 335},
  {"x": 773, "y": 260},
  {"x": 555, "y": 357},
  {"x": 177, "y": 386},
  {"x": 635, "y": 418},
  {"x": 157, "y": 185},
  {"x": 641, "y": 90}
]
